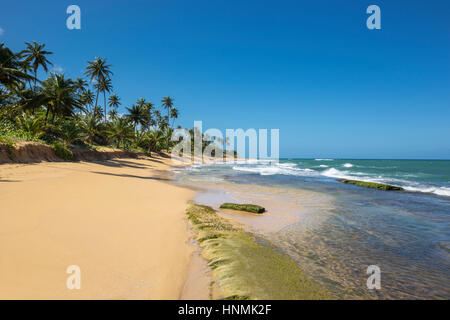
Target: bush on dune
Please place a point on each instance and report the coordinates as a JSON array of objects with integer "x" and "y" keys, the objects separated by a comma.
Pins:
[{"x": 62, "y": 151}]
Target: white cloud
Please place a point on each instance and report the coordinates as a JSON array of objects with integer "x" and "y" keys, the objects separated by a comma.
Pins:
[
  {"x": 58, "y": 69},
  {"x": 1, "y": 31}
]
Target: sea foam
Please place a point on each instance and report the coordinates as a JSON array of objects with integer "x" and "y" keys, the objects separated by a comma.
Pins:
[{"x": 347, "y": 165}]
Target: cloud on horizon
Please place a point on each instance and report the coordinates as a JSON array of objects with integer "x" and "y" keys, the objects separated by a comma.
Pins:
[{"x": 1, "y": 31}]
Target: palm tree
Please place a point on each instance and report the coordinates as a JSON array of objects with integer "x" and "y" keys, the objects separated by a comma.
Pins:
[
  {"x": 155, "y": 140},
  {"x": 10, "y": 68},
  {"x": 167, "y": 135},
  {"x": 31, "y": 125},
  {"x": 26, "y": 68},
  {"x": 136, "y": 115},
  {"x": 141, "y": 102},
  {"x": 59, "y": 96},
  {"x": 104, "y": 85},
  {"x": 24, "y": 99},
  {"x": 90, "y": 127},
  {"x": 87, "y": 98},
  {"x": 80, "y": 85},
  {"x": 163, "y": 123},
  {"x": 148, "y": 110},
  {"x": 167, "y": 103},
  {"x": 120, "y": 132},
  {"x": 36, "y": 56},
  {"x": 98, "y": 112},
  {"x": 70, "y": 132},
  {"x": 98, "y": 70},
  {"x": 113, "y": 114},
  {"x": 114, "y": 101},
  {"x": 174, "y": 115},
  {"x": 157, "y": 115}
]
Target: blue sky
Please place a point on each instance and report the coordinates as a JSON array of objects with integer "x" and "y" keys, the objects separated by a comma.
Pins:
[{"x": 310, "y": 68}]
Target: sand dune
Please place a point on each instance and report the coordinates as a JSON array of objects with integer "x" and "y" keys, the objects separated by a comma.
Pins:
[{"x": 118, "y": 220}]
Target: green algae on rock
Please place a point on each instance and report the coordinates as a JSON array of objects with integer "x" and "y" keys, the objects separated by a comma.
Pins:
[
  {"x": 373, "y": 185},
  {"x": 245, "y": 268},
  {"x": 243, "y": 207}
]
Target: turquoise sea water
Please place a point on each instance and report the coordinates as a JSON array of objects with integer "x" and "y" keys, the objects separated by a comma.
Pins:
[{"x": 341, "y": 229}]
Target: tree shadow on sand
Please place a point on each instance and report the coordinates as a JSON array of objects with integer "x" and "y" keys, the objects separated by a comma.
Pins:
[
  {"x": 118, "y": 163},
  {"x": 131, "y": 176}
]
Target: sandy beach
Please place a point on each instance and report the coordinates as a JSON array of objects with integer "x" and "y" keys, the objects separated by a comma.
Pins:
[{"x": 118, "y": 220}]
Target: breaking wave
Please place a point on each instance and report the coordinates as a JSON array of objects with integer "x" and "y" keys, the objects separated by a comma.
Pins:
[
  {"x": 347, "y": 165},
  {"x": 267, "y": 169}
]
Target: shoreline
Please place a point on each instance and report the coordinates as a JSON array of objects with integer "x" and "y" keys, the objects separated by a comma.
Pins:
[
  {"x": 231, "y": 239},
  {"x": 333, "y": 217},
  {"x": 105, "y": 217}
]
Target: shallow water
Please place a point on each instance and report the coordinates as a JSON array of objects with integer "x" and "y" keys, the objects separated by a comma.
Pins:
[{"x": 335, "y": 231}]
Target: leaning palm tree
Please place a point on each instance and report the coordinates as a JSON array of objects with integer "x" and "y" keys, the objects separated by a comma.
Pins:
[
  {"x": 36, "y": 56},
  {"x": 98, "y": 70},
  {"x": 104, "y": 85},
  {"x": 11, "y": 68},
  {"x": 167, "y": 103},
  {"x": 23, "y": 99}
]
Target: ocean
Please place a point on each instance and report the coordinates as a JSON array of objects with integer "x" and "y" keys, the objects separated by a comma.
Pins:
[{"x": 334, "y": 231}]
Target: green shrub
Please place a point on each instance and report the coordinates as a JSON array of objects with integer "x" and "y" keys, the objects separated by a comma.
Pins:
[
  {"x": 7, "y": 142},
  {"x": 243, "y": 207},
  {"x": 62, "y": 151},
  {"x": 10, "y": 129}
]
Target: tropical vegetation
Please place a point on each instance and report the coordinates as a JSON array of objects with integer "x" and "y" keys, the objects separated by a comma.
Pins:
[{"x": 64, "y": 112}]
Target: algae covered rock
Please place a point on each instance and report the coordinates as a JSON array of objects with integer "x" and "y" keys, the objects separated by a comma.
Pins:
[
  {"x": 243, "y": 207},
  {"x": 247, "y": 266},
  {"x": 373, "y": 185}
]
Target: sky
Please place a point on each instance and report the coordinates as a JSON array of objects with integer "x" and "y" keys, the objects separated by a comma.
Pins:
[{"x": 311, "y": 69}]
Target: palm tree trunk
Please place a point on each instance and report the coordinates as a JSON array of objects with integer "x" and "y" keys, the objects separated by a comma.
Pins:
[
  {"x": 104, "y": 103},
  {"x": 46, "y": 115},
  {"x": 96, "y": 98},
  {"x": 35, "y": 78},
  {"x": 168, "y": 117},
  {"x": 34, "y": 89}
]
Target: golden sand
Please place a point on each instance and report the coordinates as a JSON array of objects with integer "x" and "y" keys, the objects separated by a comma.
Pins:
[{"x": 118, "y": 220}]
